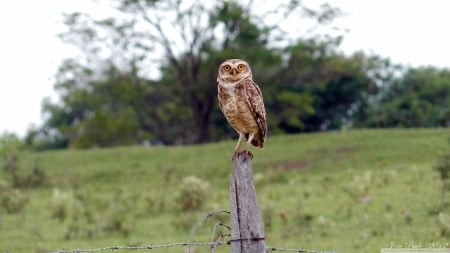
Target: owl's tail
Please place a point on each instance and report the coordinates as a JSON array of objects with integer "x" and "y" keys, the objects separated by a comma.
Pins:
[{"x": 258, "y": 143}]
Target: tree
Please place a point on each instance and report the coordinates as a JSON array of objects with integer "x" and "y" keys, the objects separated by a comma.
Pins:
[
  {"x": 419, "y": 98},
  {"x": 186, "y": 41},
  {"x": 333, "y": 88},
  {"x": 115, "y": 108}
]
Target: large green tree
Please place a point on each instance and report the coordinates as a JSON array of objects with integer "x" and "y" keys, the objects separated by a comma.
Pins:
[
  {"x": 148, "y": 72},
  {"x": 418, "y": 98},
  {"x": 334, "y": 87}
]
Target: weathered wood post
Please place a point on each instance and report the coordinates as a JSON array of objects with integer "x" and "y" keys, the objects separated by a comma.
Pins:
[{"x": 247, "y": 229}]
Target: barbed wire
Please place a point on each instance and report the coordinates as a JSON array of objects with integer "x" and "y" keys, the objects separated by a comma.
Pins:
[
  {"x": 213, "y": 244},
  {"x": 202, "y": 221},
  {"x": 272, "y": 249},
  {"x": 147, "y": 247}
]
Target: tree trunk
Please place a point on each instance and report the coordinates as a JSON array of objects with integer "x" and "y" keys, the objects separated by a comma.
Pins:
[
  {"x": 202, "y": 124},
  {"x": 247, "y": 229},
  {"x": 202, "y": 105}
]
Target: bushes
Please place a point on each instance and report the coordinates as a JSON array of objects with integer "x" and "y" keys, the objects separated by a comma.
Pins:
[
  {"x": 443, "y": 168},
  {"x": 12, "y": 198},
  {"x": 88, "y": 215},
  {"x": 192, "y": 194}
]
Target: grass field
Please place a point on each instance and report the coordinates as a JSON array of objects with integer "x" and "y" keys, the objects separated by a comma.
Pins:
[{"x": 346, "y": 191}]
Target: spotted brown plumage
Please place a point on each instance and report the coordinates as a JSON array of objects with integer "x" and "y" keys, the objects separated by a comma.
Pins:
[{"x": 241, "y": 101}]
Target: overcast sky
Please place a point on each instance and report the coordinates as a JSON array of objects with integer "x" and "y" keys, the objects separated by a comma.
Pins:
[{"x": 410, "y": 32}]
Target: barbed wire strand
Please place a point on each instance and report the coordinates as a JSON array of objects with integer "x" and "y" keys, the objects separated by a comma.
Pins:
[
  {"x": 221, "y": 237},
  {"x": 272, "y": 249},
  {"x": 148, "y": 247},
  {"x": 219, "y": 240},
  {"x": 201, "y": 222},
  {"x": 213, "y": 244},
  {"x": 218, "y": 224},
  {"x": 183, "y": 244}
]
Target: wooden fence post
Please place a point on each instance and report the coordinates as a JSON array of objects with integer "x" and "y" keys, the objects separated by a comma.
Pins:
[{"x": 247, "y": 229}]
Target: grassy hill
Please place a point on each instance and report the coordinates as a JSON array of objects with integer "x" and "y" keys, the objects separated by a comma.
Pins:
[{"x": 347, "y": 191}]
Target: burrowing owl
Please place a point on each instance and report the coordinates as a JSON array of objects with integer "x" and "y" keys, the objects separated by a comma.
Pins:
[{"x": 241, "y": 102}]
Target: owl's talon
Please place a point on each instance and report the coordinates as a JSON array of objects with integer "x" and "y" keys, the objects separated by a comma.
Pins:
[
  {"x": 235, "y": 155},
  {"x": 248, "y": 153}
]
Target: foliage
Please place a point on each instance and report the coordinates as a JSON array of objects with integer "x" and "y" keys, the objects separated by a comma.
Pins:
[
  {"x": 443, "y": 168},
  {"x": 94, "y": 113},
  {"x": 192, "y": 194},
  {"x": 420, "y": 98},
  {"x": 444, "y": 223},
  {"x": 10, "y": 148},
  {"x": 12, "y": 200},
  {"x": 122, "y": 91},
  {"x": 87, "y": 217},
  {"x": 147, "y": 74},
  {"x": 9, "y": 143},
  {"x": 321, "y": 89},
  {"x": 62, "y": 205}
]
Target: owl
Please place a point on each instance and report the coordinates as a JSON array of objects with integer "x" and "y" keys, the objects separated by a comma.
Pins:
[{"x": 241, "y": 101}]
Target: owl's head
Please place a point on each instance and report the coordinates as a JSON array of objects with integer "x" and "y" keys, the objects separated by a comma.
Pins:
[{"x": 233, "y": 70}]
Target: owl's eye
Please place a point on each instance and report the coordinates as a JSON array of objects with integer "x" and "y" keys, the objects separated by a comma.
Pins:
[
  {"x": 227, "y": 68},
  {"x": 241, "y": 67}
]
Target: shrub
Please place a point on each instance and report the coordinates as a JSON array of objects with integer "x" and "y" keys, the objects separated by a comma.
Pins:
[
  {"x": 63, "y": 205},
  {"x": 192, "y": 194},
  {"x": 444, "y": 222},
  {"x": 12, "y": 200},
  {"x": 443, "y": 167}
]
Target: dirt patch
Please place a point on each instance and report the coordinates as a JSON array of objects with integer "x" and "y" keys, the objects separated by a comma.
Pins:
[
  {"x": 340, "y": 150},
  {"x": 348, "y": 149},
  {"x": 298, "y": 165}
]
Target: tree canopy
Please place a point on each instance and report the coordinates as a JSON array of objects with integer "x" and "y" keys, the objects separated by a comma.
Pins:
[
  {"x": 147, "y": 74},
  {"x": 421, "y": 98}
]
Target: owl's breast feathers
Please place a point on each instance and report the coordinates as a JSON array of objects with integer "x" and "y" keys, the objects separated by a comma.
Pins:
[{"x": 243, "y": 107}]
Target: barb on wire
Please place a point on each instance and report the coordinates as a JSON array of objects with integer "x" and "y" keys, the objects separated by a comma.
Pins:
[
  {"x": 221, "y": 237},
  {"x": 220, "y": 241},
  {"x": 200, "y": 223},
  {"x": 218, "y": 224}
]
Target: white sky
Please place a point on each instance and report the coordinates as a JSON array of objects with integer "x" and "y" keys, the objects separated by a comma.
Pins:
[{"x": 410, "y": 32}]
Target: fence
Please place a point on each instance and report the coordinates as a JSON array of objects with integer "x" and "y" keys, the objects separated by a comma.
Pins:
[
  {"x": 246, "y": 233},
  {"x": 212, "y": 245}
]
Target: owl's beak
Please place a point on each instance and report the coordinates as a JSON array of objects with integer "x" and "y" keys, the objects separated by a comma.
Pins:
[{"x": 234, "y": 72}]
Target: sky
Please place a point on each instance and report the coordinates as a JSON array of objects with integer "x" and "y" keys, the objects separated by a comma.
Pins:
[{"x": 409, "y": 32}]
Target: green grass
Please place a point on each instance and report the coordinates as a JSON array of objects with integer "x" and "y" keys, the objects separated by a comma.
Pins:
[{"x": 347, "y": 191}]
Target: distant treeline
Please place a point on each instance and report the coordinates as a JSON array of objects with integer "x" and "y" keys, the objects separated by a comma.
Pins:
[{"x": 108, "y": 98}]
